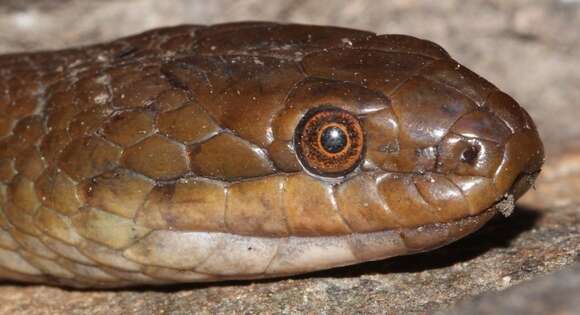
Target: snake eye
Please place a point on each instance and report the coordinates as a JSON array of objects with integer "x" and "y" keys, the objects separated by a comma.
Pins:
[{"x": 329, "y": 141}]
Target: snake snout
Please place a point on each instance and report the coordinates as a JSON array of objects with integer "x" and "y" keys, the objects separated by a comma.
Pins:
[
  {"x": 531, "y": 160},
  {"x": 523, "y": 152},
  {"x": 523, "y": 183}
]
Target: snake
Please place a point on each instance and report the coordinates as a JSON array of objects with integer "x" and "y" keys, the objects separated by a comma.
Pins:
[{"x": 247, "y": 150}]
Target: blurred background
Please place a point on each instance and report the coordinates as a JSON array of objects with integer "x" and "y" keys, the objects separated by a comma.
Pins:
[{"x": 529, "y": 48}]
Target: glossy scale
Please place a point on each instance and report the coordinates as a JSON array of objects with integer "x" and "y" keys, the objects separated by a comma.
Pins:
[{"x": 170, "y": 156}]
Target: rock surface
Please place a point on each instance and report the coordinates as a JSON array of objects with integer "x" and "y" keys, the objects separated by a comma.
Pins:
[
  {"x": 531, "y": 49},
  {"x": 554, "y": 294}
]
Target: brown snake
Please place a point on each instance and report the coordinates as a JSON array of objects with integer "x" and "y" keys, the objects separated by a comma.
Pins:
[{"x": 247, "y": 150}]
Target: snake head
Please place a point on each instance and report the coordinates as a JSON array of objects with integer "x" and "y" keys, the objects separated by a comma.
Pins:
[
  {"x": 406, "y": 140},
  {"x": 371, "y": 133},
  {"x": 248, "y": 150}
]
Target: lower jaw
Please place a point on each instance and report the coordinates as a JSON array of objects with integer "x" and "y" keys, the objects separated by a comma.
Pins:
[
  {"x": 238, "y": 257},
  {"x": 298, "y": 255}
]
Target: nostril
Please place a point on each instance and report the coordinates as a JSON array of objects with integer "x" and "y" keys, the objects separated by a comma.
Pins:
[{"x": 470, "y": 154}]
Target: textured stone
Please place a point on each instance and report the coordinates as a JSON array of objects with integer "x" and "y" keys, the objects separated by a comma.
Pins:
[{"x": 556, "y": 293}]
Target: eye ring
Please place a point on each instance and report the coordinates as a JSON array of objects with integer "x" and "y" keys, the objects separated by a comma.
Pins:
[{"x": 329, "y": 141}]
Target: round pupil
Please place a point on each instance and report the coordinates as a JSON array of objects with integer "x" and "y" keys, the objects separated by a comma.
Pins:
[{"x": 333, "y": 139}]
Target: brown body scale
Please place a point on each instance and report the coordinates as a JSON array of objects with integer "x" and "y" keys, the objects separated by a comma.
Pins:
[{"x": 112, "y": 153}]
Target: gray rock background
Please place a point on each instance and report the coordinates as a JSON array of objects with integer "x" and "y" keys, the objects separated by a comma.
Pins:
[{"x": 531, "y": 49}]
